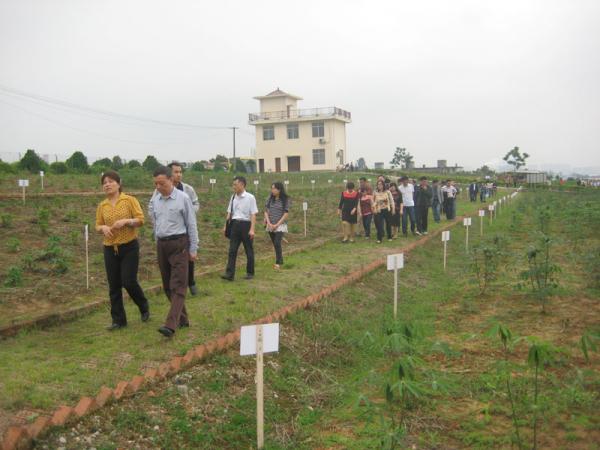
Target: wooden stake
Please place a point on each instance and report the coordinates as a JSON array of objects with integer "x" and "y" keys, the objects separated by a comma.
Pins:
[
  {"x": 445, "y": 242},
  {"x": 260, "y": 412},
  {"x": 481, "y": 225},
  {"x": 304, "y": 223},
  {"x": 395, "y": 287},
  {"x": 23, "y": 194},
  {"x": 467, "y": 239},
  {"x": 87, "y": 258}
]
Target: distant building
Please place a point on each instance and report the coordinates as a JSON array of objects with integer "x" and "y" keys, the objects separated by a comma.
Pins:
[
  {"x": 289, "y": 139},
  {"x": 378, "y": 165},
  {"x": 531, "y": 177},
  {"x": 441, "y": 168}
]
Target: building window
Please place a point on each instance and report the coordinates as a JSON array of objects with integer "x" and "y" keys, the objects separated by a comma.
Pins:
[
  {"x": 318, "y": 129},
  {"x": 292, "y": 131},
  {"x": 268, "y": 133},
  {"x": 318, "y": 156}
]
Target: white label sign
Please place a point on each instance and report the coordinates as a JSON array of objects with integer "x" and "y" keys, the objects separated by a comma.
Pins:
[
  {"x": 256, "y": 182},
  {"x": 397, "y": 259},
  {"x": 87, "y": 233},
  {"x": 491, "y": 207},
  {"x": 330, "y": 181},
  {"x": 23, "y": 183},
  {"x": 345, "y": 181},
  {"x": 270, "y": 339},
  {"x": 304, "y": 206},
  {"x": 445, "y": 236},
  {"x": 312, "y": 181},
  {"x": 495, "y": 203},
  {"x": 482, "y": 213},
  {"x": 212, "y": 181},
  {"x": 467, "y": 221},
  {"x": 286, "y": 182},
  {"x": 41, "y": 173}
]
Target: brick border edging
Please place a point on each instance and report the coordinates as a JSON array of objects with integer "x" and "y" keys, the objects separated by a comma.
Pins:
[{"x": 22, "y": 436}]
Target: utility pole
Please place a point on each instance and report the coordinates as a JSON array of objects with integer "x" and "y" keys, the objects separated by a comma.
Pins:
[{"x": 234, "y": 166}]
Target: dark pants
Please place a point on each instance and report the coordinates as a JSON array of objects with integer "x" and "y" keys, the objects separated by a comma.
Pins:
[
  {"x": 121, "y": 272},
  {"x": 422, "y": 216},
  {"x": 473, "y": 196},
  {"x": 191, "y": 281},
  {"x": 449, "y": 208},
  {"x": 436, "y": 209},
  {"x": 173, "y": 261},
  {"x": 276, "y": 237},
  {"x": 366, "y": 220},
  {"x": 380, "y": 218},
  {"x": 409, "y": 213},
  {"x": 240, "y": 235}
]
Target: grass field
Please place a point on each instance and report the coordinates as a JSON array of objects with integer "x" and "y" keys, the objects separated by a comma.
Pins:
[{"x": 349, "y": 376}]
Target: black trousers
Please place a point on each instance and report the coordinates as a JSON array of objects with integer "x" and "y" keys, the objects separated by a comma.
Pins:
[
  {"x": 121, "y": 271},
  {"x": 191, "y": 281},
  {"x": 422, "y": 216},
  {"x": 380, "y": 218},
  {"x": 240, "y": 235},
  {"x": 276, "y": 237}
]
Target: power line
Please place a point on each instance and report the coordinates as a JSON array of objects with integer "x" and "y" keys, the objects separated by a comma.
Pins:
[{"x": 74, "y": 106}]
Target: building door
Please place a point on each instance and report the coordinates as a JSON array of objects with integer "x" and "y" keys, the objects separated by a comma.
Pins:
[
  {"x": 293, "y": 164},
  {"x": 277, "y": 164},
  {"x": 261, "y": 165}
]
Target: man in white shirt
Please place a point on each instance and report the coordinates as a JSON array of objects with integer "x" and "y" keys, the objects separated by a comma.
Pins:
[
  {"x": 408, "y": 199},
  {"x": 241, "y": 211}
]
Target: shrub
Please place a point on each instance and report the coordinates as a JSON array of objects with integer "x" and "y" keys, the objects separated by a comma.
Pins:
[
  {"x": 58, "y": 168},
  {"x": 42, "y": 219},
  {"x": 7, "y": 220}
]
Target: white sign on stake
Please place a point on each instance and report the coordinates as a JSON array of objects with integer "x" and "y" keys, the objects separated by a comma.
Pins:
[
  {"x": 445, "y": 239},
  {"x": 305, "y": 208},
  {"x": 467, "y": 224},
  {"x": 256, "y": 182},
  {"x": 312, "y": 181},
  {"x": 42, "y": 179},
  {"x": 467, "y": 221},
  {"x": 212, "y": 181},
  {"x": 286, "y": 182},
  {"x": 248, "y": 339},
  {"x": 345, "y": 181},
  {"x": 395, "y": 262},
  {"x": 482, "y": 213},
  {"x": 257, "y": 340},
  {"x": 330, "y": 181},
  {"x": 23, "y": 183},
  {"x": 87, "y": 256}
]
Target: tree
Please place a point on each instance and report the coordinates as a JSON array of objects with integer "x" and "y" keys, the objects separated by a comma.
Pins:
[
  {"x": 32, "y": 162},
  {"x": 198, "y": 166},
  {"x": 101, "y": 164},
  {"x": 515, "y": 159},
  {"x": 485, "y": 170},
  {"x": 150, "y": 163},
  {"x": 221, "y": 162},
  {"x": 77, "y": 162},
  {"x": 401, "y": 158},
  {"x": 251, "y": 166},
  {"x": 5, "y": 167},
  {"x": 133, "y": 163},
  {"x": 361, "y": 164},
  {"x": 239, "y": 166},
  {"x": 58, "y": 168},
  {"x": 117, "y": 163}
]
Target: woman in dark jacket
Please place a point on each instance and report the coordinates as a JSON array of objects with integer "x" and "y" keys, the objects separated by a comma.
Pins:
[
  {"x": 276, "y": 214},
  {"x": 347, "y": 211}
]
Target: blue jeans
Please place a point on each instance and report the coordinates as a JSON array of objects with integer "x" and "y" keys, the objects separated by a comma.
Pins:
[
  {"x": 436, "y": 208},
  {"x": 366, "y": 220},
  {"x": 409, "y": 211}
]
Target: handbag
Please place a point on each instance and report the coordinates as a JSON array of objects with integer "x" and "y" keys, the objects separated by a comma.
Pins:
[{"x": 228, "y": 222}]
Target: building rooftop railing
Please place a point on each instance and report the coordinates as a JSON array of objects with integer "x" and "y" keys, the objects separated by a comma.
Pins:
[{"x": 331, "y": 111}]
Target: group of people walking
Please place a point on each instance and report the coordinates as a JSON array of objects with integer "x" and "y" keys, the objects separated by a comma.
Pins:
[
  {"x": 391, "y": 206},
  {"x": 485, "y": 190},
  {"x": 172, "y": 210}
]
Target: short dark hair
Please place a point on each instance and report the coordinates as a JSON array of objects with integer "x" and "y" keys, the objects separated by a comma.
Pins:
[
  {"x": 162, "y": 170},
  {"x": 113, "y": 176},
  {"x": 241, "y": 179},
  {"x": 403, "y": 178},
  {"x": 423, "y": 178},
  {"x": 435, "y": 180},
  {"x": 362, "y": 179},
  {"x": 349, "y": 185},
  {"x": 175, "y": 163}
]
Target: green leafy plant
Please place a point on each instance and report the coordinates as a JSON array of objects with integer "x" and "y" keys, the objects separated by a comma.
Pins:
[
  {"x": 43, "y": 218},
  {"x": 13, "y": 244},
  {"x": 588, "y": 342},
  {"x": 542, "y": 271},
  {"x": 7, "y": 220},
  {"x": 485, "y": 259},
  {"x": 14, "y": 277}
]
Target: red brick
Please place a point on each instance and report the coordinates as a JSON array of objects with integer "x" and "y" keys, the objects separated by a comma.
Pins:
[
  {"x": 137, "y": 382},
  {"x": 151, "y": 374},
  {"x": 221, "y": 343},
  {"x": 189, "y": 358},
  {"x": 123, "y": 389},
  {"x": 104, "y": 396},
  {"x": 175, "y": 365},
  {"x": 200, "y": 351},
  {"x": 62, "y": 415},
  {"x": 210, "y": 347},
  {"x": 231, "y": 339},
  {"x": 85, "y": 405},
  {"x": 38, "y": 426},
  {"x": 14, "y": 438},
  {"x": 163, "y": 370}
]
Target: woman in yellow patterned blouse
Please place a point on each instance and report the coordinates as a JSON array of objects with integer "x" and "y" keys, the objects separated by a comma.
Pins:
[{"x": 117, "y": 218}]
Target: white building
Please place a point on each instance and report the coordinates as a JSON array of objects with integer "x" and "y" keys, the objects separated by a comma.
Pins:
[{"x": 289, "y": 139}]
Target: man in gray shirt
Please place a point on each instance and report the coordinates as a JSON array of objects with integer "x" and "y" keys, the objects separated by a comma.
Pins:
[{"x": 176, "y": 234}]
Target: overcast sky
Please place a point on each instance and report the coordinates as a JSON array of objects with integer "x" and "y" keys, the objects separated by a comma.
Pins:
[{"x": 458, "y": 80}]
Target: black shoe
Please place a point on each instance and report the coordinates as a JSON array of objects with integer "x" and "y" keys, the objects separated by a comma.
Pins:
[
  {"x": 193, "y": 290},
  {"x": 166, "y": 332},
  {"x": 249, "y": 276},
  {"x": 184, "y": 325},
  {"x": 227, "y": 277},
  {"x": 146, "y": 316},
  {"x": 115, "y": 326}
]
